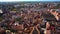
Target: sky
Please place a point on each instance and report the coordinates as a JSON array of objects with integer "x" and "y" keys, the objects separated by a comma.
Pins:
[{"x": 25, "y": 0}]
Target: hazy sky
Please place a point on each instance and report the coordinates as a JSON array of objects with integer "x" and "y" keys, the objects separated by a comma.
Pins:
[{"x": 25, "y": 0}]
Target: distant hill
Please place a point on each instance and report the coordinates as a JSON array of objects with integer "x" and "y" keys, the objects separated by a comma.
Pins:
[{"x": 22, "y": 2}]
